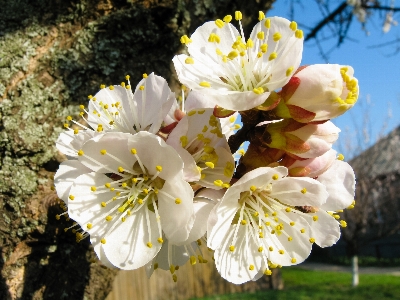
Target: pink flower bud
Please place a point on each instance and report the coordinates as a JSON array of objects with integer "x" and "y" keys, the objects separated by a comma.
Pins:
[
  {"x": 318, "y": 93},
  {"x": 312, "y": 167},
  {"x": 301, "y": 140}
]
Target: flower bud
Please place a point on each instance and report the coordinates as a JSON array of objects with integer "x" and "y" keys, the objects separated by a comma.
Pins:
[
  {"x": 301, "y": 140},
  {"x": 312, "y": 167},
  {"x": 318, "y": 93}
]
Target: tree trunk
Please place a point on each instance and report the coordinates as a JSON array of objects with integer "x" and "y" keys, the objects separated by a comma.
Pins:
[
  {"x": 53, "y": 54},
  {"x": 354, "y": 270}
]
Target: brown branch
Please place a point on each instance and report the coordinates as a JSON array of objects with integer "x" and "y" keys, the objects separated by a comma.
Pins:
[{"x": 378, "y": 7}]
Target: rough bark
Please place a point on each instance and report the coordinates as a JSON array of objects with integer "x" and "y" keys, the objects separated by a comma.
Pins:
[{"x": 53, "y": 54}]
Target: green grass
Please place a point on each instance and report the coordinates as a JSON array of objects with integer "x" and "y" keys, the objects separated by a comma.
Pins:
[{"x": 314, "y": 285}]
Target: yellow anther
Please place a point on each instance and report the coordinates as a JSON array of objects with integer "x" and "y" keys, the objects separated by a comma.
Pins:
[
  {"x": 90, "y": 96},
  {"x": 158, "y": 168},
  {"x": 103, "y": 204},
  {"x": 69, "y": 118},
  {"x": 185, "y": 39},
  {"x": 315, "y": 218},
  {"x": 172, "y": 269},
  {"x": 89, "y": 226},
  {"x": 260, "y": 249},
  {"x": 111, "y": 87},
  {"x": 209, "y": 164},
  {"x": 292, "y": 223},
  {"x": 258, "y": 91},
  {"x": 58, "y": 217},
  {"x": 260, "y": 35},
  {"x": 289, "y": 71},
  {"x": 191, "y": 113},
  {"x": 249, "y": 43},
  {"x": 233, "y": 54},
  {"x": 350, "y": 207},
  {"x": 93, "y": 188},
  {"x": 184, "y": 141},
  {"x": 227, "y": 18},
  {"x": 145, "y": 75},
  {"x": 219, "y": 23},
  {"x": 218, "y": 51},
  {"x": 293, "y": 25},
  {"x": 174, "y": 278},
  {"x": 205, "y": 84},
  {"x": 261, "y": 235},
  {"x": 122, "y": 84},
  {"x": 102, "y": 86},
  {"x": 261, "y": 16},
  {"x": 281, "y": 252},
  {"x": 103, "y": 241},
  {"x": 140, "y": 201},
  {"x": 302, "y": 230},
  {"x": 289, "y": 239},
  {"x": 141, "y": 87},
  {"x": 343, "y": 223},
  {"x": 243, "y": 222},
  {"x": 103, "y": 151},
  {"x": 127, "y": 77},
  {"x": 303, "y": 191},
  {"x": 214, "y": 38},
  {"x": 71, "y": 197},
  {"x": 267, "y": 223},
  {"x": 189, "y": 61},
  {"x": 124, "y": 184},
  {"x": 274, "y": 213},
  {"x": 264, "y": 48},
  {"x": 128, "y": 87},
  {"x": 268, "y": 272},
  {"x": 271, "y": 248},
  {"x": 149, "y": 244},
  {"x": 251, "y": 267},
  {"x": 192, "y": 260},
  {"x": 231, "y": 248},
  {"x": 288, "y": 209},
  {"x": 133, "y": 151},
  {"x": 238, "y": 15},
  {"x": 253, "y": 188},
  {"x": 293, "y": 260},
  {"x": 120, "y": 169},
  {"x": 109, "y": 218},
  {"x": 340, "y": 156},
  {"x": 337, "y": 217},
  {"x": 111, "y": 122},
  {"x": 276, "y": 37},
  {"x": 218, "y": 182},
  {"x": 66, "y": 125},
  {"x": 272, "y": 56},
  {"x": 146, "y": 191},
  {"x": 160, "y": 240},
  {"x": 178, "y": 201},
  {"x": 298, "y": 34},
  {"x": 76, "y": 131},
  {"x": 267, "y": 23}
]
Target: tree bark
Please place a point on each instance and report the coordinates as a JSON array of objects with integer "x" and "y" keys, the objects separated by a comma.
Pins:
[{"x": 53, "y": 54}]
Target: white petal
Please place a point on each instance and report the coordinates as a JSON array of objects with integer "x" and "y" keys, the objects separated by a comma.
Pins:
[
  {"x": 299, "y": 191},
  {"x": 65, "y": 176},
  {"x": 153, "y": 152},
  {"x": 126, "y": 245},
  {"x": 69, "y": 143},
  {"x": 235, "y": 266},
  {"x": 340, "y": 183},
  {"x": 202, "y": 209},
  {"x": 325, "y": 230},
  {"x": 114, "y": 144},
  {"x": 176, "y": 219}
]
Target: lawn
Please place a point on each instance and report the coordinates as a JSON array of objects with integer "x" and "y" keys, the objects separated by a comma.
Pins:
[{"x": 303, "y": 285}]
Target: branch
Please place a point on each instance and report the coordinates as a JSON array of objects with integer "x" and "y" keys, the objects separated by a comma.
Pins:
[
  {"x": 378, "y": 7},
  {"x": 325, "y": 21}
]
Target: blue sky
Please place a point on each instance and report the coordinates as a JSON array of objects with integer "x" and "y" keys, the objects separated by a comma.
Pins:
[{"x": 377, "y": 72}]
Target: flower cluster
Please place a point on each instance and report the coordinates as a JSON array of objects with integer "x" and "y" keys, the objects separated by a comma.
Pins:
[{"x": 149, "y": 179}]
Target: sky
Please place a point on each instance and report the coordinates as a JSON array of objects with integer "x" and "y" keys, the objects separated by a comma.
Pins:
[{"x": 377, "y": 71}]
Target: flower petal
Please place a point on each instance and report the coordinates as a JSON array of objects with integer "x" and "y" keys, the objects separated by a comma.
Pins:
[{"x": 340, "y": 182}]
